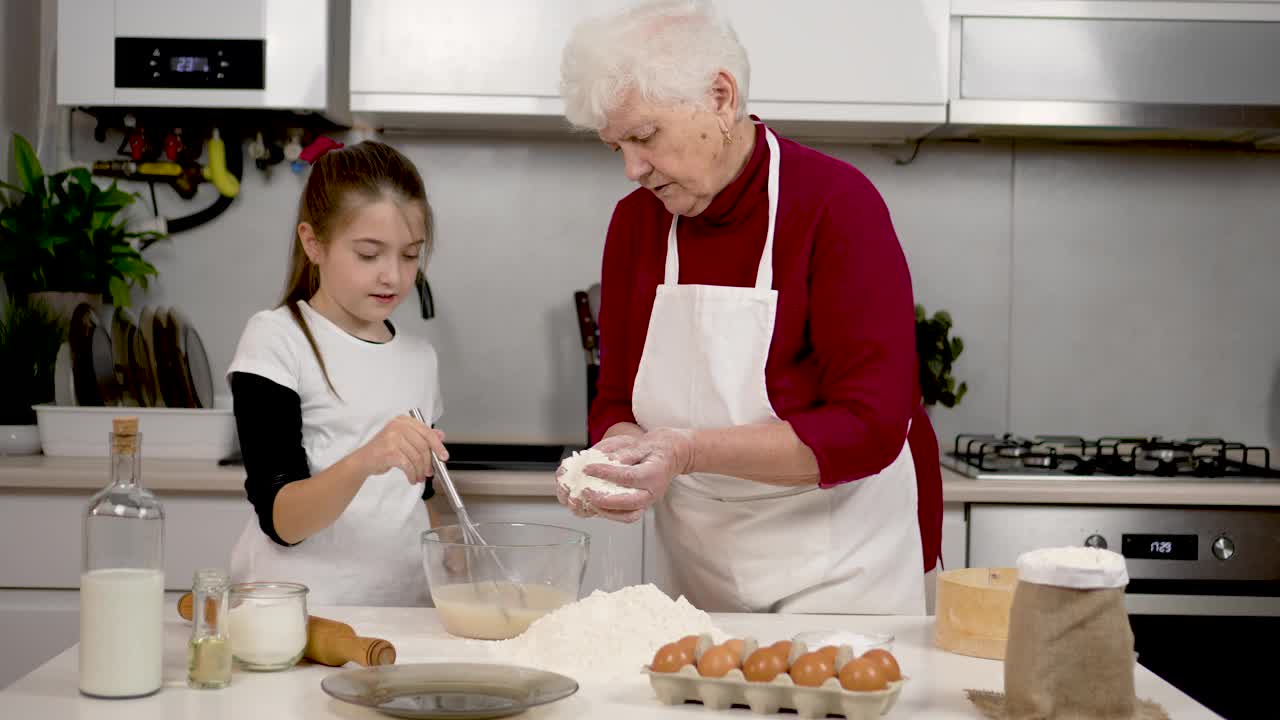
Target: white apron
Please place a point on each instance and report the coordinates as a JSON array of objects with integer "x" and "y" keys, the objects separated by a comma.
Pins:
[
  {"x": 370, "y": 555},
  {"x": 734, "y": 545}
]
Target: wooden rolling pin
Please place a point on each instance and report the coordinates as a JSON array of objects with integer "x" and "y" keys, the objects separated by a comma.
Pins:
[{"x": 330, "y": 642}]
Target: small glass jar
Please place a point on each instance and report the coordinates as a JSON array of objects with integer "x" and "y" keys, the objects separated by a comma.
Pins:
[
  {"x": 209, "y": 652},
  {"x": 268, "y": 624}
]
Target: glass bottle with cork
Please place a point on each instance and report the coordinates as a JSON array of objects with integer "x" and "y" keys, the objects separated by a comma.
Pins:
[{"x": 122, "y": 579}]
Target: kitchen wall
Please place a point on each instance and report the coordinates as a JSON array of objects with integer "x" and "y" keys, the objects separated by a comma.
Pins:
[
  {"x": 1098, "y": 290},
  {"x": 19, "y": 91}
]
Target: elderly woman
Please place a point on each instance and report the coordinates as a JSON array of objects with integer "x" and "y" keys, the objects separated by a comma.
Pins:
[{"x": 758, "y": 382}]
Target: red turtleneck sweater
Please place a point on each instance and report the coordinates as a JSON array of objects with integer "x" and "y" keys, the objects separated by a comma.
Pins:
[{"x": 842, "y": 365}]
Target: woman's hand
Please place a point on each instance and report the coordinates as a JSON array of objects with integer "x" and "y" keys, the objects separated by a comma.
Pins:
[
  {"x": 404, "y": 443},
  {"x": 582, "y": 507},
  {"x": 649, "y": 463}
]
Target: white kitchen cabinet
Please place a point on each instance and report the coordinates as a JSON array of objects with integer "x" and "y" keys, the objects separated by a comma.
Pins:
[
  {"x": 200, "y": 531},
  {"x": 44, "y": 530},
  {"x": 859, "y": 61},
  {"x": 36, "y": 625},
  {"x": 955, "y": 536},
  {"x": 848, "y": 68}
]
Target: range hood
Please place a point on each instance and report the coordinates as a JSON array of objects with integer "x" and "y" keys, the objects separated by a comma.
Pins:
[{"x": 1119, "y": 71}]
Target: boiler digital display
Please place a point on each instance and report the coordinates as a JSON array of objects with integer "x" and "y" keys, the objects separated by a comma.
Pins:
[
  {"x": 189, "y": 63},
  {"x": 1160, "y": 547}
]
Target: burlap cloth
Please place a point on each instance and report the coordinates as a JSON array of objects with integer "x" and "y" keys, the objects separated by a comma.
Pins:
[{"x": 1070, "y": 657}]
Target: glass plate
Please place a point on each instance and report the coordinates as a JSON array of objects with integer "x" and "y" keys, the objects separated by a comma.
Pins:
[{"x": 448, "y": 690}]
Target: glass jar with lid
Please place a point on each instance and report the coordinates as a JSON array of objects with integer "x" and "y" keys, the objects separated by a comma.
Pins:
[{"x": 268, "y": 624}]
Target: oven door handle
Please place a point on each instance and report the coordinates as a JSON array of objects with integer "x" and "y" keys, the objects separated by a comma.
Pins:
[{"x": 1202, "y": 605}]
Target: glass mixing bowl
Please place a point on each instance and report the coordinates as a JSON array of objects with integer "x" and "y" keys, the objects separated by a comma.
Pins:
[{"x": 495, "y": 591}]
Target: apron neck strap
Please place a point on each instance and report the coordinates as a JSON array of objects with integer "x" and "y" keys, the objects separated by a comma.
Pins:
[{"x": 764, "y": 275}]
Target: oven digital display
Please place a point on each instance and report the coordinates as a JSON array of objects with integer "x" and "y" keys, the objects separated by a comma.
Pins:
[{"x": 1160, "y": 547}]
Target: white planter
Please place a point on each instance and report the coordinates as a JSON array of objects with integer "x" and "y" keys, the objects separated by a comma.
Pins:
[
  {"x": 198, "y": 434},
  {"x": 63, "y": 304},
  {"x": 19, "y": 440}
]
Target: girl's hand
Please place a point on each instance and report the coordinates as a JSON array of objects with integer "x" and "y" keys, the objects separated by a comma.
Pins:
[{"x": 407, "y": 444}]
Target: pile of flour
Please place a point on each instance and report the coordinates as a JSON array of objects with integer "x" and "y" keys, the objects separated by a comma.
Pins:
[
  {"x": 606, "y": 634},
  {"x": 574, "y": 480}
]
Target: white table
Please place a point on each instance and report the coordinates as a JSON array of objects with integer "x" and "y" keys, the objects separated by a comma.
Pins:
[{"x": 935, "y": 690}]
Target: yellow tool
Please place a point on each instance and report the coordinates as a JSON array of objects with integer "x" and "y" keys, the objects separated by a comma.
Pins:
[{"x": 216, "y": 170}]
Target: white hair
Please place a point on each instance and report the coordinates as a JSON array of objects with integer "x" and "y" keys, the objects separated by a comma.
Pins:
[{"x": 667, "y": 51}]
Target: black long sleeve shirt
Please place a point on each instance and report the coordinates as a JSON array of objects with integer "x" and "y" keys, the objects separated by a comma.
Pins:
[{"x": 269, "y": 425}]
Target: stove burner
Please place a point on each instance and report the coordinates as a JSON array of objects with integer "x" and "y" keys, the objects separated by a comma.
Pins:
[
  {"x": 1113, "y": 456},
  {"x": 1047, "y": 460}
]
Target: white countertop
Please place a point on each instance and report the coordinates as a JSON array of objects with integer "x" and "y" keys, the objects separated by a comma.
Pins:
[
  {"x": 935, "y": 689},
  {"x": 40, "y": 473}
]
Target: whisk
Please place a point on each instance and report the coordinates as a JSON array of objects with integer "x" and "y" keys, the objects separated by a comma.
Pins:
[{"x": 470, "y": 533}]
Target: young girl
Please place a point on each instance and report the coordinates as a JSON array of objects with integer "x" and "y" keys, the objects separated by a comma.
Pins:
[{"x": 337, "y": 471}]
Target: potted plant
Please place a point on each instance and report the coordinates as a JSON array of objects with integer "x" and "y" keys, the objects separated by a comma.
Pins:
[
  {"x": 30, "y": 336},
  {"x": 63, "y": 233},
  {"x": 937, "y": 352}
]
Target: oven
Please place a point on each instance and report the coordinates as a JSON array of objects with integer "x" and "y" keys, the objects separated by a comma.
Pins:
[{"x": 1204, "y": 589}]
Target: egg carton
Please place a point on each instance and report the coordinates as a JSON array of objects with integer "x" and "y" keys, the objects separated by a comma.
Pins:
[{"x": 766, "y": 698}]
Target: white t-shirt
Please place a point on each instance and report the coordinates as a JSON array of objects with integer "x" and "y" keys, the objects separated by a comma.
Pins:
[{"x": 371, "y": 554}]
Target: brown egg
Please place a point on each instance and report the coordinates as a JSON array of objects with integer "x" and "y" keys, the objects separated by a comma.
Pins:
[
  {"x": 829, "y": 652},
  {"x": 886, "y": 661},
  {"x": 717, "y": 662},
  {"x": 688, "y": 642},
  {"x": 861, "y": 675},
  {"x": 764, "y": 665},
  {"x": 670, "y": 658},
  {"x": 784, "y": 646},
  {"x": 736, "y": 645},
  {"x": 811, "y": 669}
]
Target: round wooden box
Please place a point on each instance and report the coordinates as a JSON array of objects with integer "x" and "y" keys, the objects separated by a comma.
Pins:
[{"x": 973, "y": 611}]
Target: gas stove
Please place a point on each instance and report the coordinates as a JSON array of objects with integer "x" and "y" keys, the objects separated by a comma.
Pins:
[{"x": 1014, "y": 457}]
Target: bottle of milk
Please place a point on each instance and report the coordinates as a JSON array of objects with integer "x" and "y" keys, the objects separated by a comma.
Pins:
[{"x": 122, "y": 582}]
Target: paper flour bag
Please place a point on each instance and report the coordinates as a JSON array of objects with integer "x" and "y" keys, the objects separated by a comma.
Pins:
[{"x": 1070, "y": 652}]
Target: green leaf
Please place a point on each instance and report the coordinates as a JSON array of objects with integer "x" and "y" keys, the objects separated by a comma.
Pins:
[
  {"x": 49, "y": 242},
  {"x": 119, "y": 291},
  {"x": 81, "y": 176},
  {"x": 138, "y": 267},
  {"x": 27, "y": 165},
  {"x": 936, "y": 351},
  {"x": 113, "y": 199}
]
